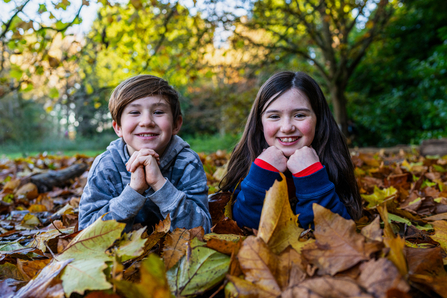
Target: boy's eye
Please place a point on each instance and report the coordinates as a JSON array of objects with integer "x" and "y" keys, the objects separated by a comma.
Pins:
[
  {"x": 134, "y": 112},
  {"x": 159, "y": 112}
]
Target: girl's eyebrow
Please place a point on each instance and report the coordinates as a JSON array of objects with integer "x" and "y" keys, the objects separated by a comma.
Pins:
[{"x": 294, "y": 110}]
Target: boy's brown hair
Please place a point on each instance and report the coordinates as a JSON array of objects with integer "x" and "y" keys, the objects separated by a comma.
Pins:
[{"x": 142, "y": 86}]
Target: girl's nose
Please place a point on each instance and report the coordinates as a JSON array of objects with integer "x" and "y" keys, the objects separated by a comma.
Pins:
[{"x": 287, "y": 126}]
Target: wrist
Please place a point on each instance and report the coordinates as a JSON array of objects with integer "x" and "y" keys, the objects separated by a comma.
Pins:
[
  {"x": 159, "y": 184},
  {"x": 138, "y": 188}
]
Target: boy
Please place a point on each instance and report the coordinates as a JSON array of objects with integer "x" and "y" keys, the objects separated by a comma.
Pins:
[{"x": 149, "y": 172}]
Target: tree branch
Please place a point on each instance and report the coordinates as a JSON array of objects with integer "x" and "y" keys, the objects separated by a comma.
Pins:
[{"x": 7, "y": 25}]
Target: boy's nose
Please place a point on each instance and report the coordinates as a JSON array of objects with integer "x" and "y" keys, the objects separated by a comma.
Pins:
[{"x": 147, "y": 121}]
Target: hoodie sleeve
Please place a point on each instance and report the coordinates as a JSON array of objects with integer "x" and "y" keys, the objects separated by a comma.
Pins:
[
  {"x": 316, "y": 188},
  {"x": 250, "y": 198},
  {"x": 102, "y": 194},
  {"x": 185, "y": 195}
]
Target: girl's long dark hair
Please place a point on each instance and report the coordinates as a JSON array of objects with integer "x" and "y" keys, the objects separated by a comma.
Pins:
[{"x": 328, "y": 142}]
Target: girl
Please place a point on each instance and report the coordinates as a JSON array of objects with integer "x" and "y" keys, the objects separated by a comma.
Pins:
[{"x": 290, "y": 129}]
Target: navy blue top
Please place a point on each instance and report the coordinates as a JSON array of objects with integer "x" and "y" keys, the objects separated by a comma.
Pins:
[{"x": 315, "y": 188}]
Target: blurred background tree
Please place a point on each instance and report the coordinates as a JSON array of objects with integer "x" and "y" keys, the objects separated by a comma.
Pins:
[{"x": 381, "y": 64}]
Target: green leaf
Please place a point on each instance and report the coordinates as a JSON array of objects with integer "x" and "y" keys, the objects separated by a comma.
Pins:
[
  {"x": 42, "y": 8},
  {"x": 201, "y": 269},
  {"x": 153, "y": 282},
  {"x": 87, "y": 250},
  {"x": 131, "y": 246},
  {"x": 54, "y": 93},
  {"x": 398, "y": 219}
]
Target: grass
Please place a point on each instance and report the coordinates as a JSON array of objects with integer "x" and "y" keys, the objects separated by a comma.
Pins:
[{"x": 98, "y": 144}]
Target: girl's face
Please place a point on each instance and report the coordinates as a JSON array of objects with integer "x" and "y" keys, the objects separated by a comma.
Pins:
[{"x": 289, "y": 122}]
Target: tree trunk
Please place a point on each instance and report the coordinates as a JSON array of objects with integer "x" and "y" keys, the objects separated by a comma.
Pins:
[
  {"x": 339, "y": 104},
  {"x": 46, "y": 181}
]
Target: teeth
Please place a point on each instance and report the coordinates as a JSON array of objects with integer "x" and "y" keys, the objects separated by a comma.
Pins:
[
  {"x": 288, "y": 140},
  {"x": 147, "y": 135}
]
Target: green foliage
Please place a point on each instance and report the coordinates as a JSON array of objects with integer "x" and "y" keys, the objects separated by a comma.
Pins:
[{"x": 398, "y": 94}]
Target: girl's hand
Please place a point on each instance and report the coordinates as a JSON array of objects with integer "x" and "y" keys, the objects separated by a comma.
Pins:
[
  {"x": 274, "y": 157},
  {"x": 301, "y": 159}
]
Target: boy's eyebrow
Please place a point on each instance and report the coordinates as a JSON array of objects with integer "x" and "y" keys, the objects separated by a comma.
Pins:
[
  {"x": 294, "y": 110},
  {"x": 155, "y": 104}
]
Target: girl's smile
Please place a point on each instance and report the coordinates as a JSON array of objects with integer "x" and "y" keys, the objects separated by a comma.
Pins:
[{"x": 289, "y": 122}]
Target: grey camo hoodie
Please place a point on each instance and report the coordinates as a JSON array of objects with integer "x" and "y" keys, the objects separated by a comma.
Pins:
[{"x": 184, "y": 195}]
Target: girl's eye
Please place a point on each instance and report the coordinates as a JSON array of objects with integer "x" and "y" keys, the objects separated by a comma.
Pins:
[
  {"x": 273, "y": 116},
  {"x": 300, "y": 115}
]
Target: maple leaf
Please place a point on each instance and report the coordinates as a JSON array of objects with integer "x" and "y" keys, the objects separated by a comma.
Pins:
[
  {"x": 379, "y": 196},
  {"x": 153, "y": 282},
  {"x": 377, "y": 277},
  {"x": 338, "y": 246},
  {"x": 87, "y": 250},
  {"x": 199, "y": 270},
  {"x": 278, "y": 226},
  {"x": 259, "y": 265},
  {"x": 175, "y": 246}
]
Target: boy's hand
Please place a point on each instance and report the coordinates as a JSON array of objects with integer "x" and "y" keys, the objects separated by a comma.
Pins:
[
  {"x": 274, "y": 157},
  {"x": 138, "y": 180},
  {"x": 147, "y": 158},
  {"x": 301, "y": 159}
]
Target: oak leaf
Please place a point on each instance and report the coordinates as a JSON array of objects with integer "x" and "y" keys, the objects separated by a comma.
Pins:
[
  {"x": 338, "y": 246},
  {"x": 278, "y": 226}
]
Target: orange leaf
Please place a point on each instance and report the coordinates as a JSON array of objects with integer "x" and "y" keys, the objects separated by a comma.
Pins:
[{"x": 440, "y": 235}]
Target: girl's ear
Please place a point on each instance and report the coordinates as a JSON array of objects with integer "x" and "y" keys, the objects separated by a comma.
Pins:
[
  {"x": 177, "y": 125},
  {"x": 117, "y": 129}
]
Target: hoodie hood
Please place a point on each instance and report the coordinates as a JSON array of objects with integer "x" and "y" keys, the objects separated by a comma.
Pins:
[{"x": 118, "y": 149}]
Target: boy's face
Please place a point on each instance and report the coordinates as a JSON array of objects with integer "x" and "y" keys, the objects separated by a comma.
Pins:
[{"x": 147, "y": 123}]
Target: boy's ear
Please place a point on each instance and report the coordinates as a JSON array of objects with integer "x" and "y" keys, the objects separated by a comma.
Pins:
[
  {"x": 177, "y": 125},
  {"x": 117, "y": 129}
]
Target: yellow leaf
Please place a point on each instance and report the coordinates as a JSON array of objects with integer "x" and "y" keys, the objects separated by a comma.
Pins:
[
  {"x": 379, "y": 196},
  {"x": 278, "y": 226}
]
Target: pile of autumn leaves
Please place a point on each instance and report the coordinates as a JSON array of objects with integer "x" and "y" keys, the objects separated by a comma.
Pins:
[{"x": 397, "y": 249}]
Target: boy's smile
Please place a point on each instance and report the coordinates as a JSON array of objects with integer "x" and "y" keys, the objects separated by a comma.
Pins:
[
  {"x": 147, "y": 123},
  {"x": 289, "y": 122}
]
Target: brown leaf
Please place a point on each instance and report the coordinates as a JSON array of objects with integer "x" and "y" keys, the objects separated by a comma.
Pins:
[
  {"x": 197, "y": 232},
  {"x": 259, "y": 265},
  {"x": 217, "y": 203},
  {"x": 440, "y": 235},
  {"x": 29, "y": 190},
  {"x": 238, "y": 287},
  {"x": 291, "y": 270},
  {"x": 426, "y": 267},
  {"x": 29, "y": 269},
  {"x": 227, "y": 226},
  {"x": 326, "y": 287},
  {"x": 338, "y": 246},
  {"x": 42, "y": 285},
  {"x": 278, "y": 226},
  {"x": 379, "y": 276},
  {"x": 175, "y": 246},
  {"x": 441, "y": 216},
  {"x": 373, "y": 230},
  {"x": 223, "y": 246}
]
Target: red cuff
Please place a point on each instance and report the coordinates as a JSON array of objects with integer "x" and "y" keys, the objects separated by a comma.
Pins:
[
  {"x": 265, "y": 165},
  {"x": 309, "y": 170}
]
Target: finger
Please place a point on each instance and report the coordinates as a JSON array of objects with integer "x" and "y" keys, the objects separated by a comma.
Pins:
[
  {"x": 139, "y": 161},
  {"x": 149, "y": 152},
  {"x": 131, "y": 160}
]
